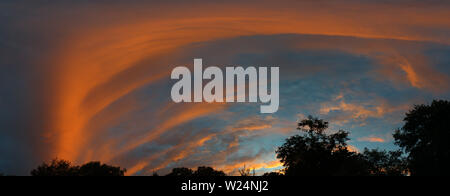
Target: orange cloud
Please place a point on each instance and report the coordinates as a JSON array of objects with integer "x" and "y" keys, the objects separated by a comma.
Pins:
[
  {"x": 253, "y": 124},
  {"x": 174, "y": 118},
  {"x": 372, "y": 139},
  {"x": 352, "y": 148},
  {"x": 252, "y": 165},
  {"x": 357, "y": 111}
]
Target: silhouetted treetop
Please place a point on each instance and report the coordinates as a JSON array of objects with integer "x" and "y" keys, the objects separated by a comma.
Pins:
[
  {"x": 208, "y": 171},
  {"x": 200, "y": 172},
  {"x": 425, "y": 136},
  {"x": 247, "y": 171},
  {"x": 318, "y": 154},
  {"x": 99, "y": 169},
  {"x": 56, "y": 168},
  {"x": 383, "y": 163},
  {"x": 313, "y": 125},
  {"x": 315, "y": 153},
  {"x": 273, "y": 174},
  {"x": 64, "y": 168},
  {"x": 184, "y": 172}
]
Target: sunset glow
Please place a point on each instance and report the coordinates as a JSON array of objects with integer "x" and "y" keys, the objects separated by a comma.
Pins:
[{"x": 89, "y": 81}]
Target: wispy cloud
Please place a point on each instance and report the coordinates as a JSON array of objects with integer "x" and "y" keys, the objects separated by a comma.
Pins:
[
  {"x": 371, "y": 139},
  {"x": 89, "y": 81}
]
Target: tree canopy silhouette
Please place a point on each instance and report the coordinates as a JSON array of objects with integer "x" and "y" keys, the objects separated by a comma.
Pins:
[
  {"x": 184, "y": 172},
  {"x": 200, "y": 172},
  {"x": 383, "y": 163},
  {"x": 99, "y": 169},
  {"x": 316, "y": 153},
  {"x": 56, "y": 168},
  {"x": 64, "y": 168},
  {"x": 425, "y": 136},
  {"x": 272, "y": 174}
]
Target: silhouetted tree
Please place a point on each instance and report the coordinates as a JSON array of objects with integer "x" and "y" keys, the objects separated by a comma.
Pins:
[
  {"x": 383, "y": 163},
  {"x": 56, "y": 168},
  {"x": 315, "y": 153},
  {"x": 425, "y": 137},
  {"x": 273, "y": 174},
  {"x": 182, "y": 172},
  {"x": 200, "y": 172},
  {"x": 208, "y": 172},
  {"x": 64, "y": 168},
  {"x": 247, "y": 171},
  {"x": 98, "y": 169}
]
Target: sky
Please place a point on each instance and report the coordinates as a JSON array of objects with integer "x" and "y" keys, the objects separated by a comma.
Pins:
[{"x": 90, "y": 80}]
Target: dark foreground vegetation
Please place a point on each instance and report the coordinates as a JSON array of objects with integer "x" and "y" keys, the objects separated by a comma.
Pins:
[
  {"x": 423, "y": 140},
  {"x": 65, "y": 168}
]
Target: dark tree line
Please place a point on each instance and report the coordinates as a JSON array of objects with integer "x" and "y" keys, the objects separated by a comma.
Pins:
[
  {"x": 64, "y": 168},
  {"x": 423, "y": 140},
  {"x": 200, "y": 172}
]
